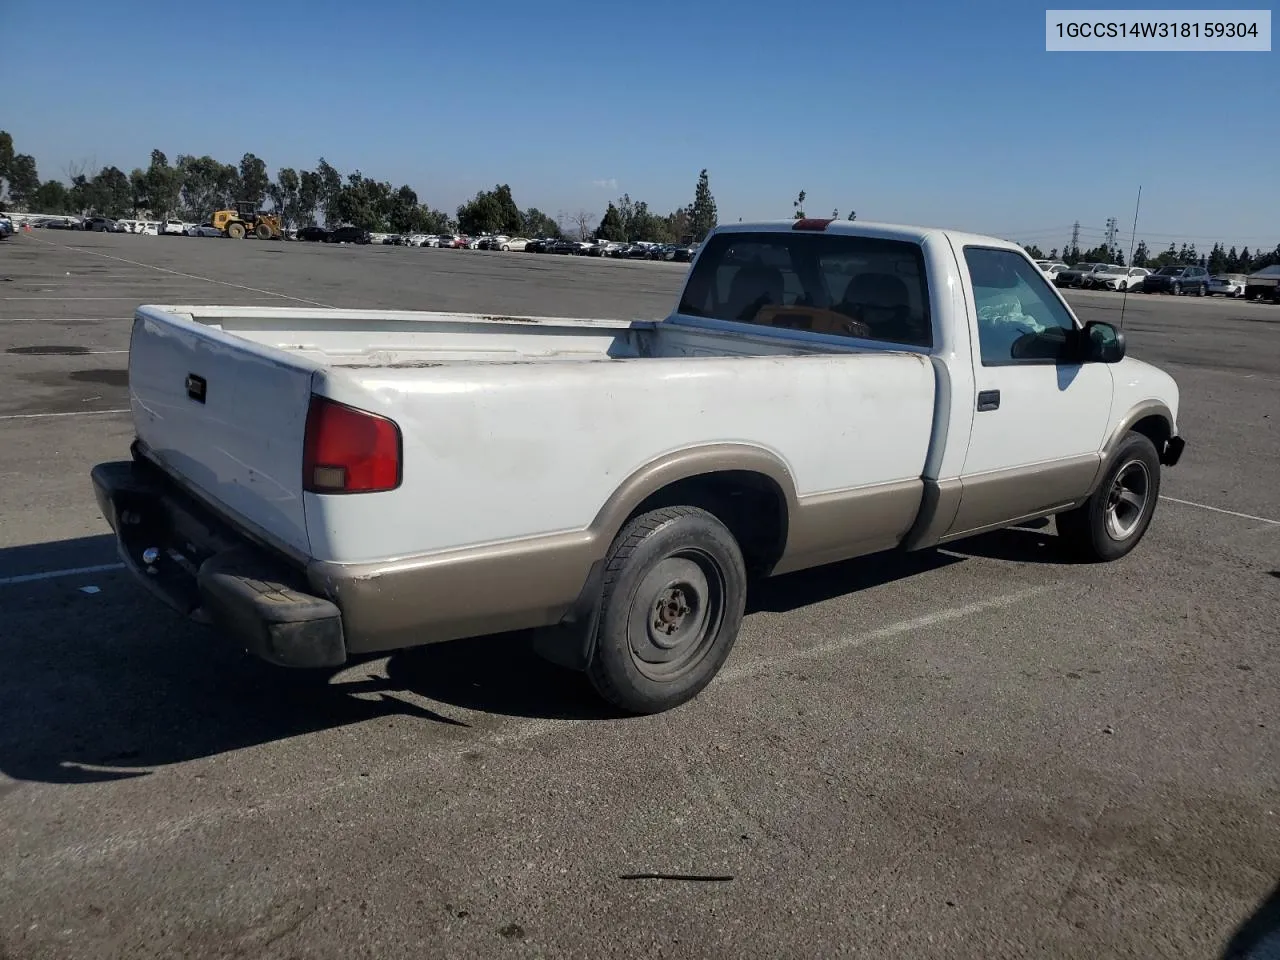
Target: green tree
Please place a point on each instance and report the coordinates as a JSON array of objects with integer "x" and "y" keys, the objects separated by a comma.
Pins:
[
  {"x": 1217, "y": 259},
  {"x": 6, "y": 157},
  {"x": 163, "y": 186},
  {"x": 1233, "y": 261},
  {"x": 404, "y": 214},
  {"x": 203, "y": 183},
  {"x": 51, "y": 197},
  {"x": 798, "y": 203},
  {"x": 284, "y": 195},
  {"x": 138, "y": 187},
  {"x": 1034, "y": 252},
  {"x": 610, "y": 227},
  {"x": 253, "y": 180},
  {"x": 702, "y": 212},
  {"x": 1246, "y": 261},
  {"x": 535, "y": 223},
  {"x": 330, "y": 190},
  {"x": 491, "y": 211},
  {"x": 310, "y": 191},
  {"x": 23, "y": 179},
  {"x": 1141, "y": 255},
  {"x": 111, "y": 192}
]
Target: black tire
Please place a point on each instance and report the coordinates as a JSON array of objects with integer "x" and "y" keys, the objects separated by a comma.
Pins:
[
  {"x": 235, "y": 231},
  {"x": 1177, "y": 290},
  {"x": 1110, "y": 524},
  {"x": 262, "y": 232},
  {"x": 1204, "y": 290},
  {"x": 675, "y": 587}
]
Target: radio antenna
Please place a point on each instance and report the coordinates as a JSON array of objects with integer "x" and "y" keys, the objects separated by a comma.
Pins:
[{"x": 1133, "y": 237}]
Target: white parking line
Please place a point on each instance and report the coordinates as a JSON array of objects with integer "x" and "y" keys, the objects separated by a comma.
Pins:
[
  {"x": 179, "y": 273},
  {"x": 1230, "y": 513},
  {"x": 69, "y": 413},
  {"x": 53, "y": 574},
  {"x": 842, "y": 644},
  {"x": 64, "y": 319}
]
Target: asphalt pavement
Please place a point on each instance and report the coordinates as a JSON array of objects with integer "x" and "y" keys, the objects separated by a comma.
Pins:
[{"x": 983, "y": 751}]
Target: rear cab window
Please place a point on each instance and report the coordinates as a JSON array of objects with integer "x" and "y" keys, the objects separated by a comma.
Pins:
[{"x": 829, "y": 283}]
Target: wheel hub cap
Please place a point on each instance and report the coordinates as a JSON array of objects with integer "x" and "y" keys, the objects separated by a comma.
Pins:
[{"x": 1127, "y": 500}]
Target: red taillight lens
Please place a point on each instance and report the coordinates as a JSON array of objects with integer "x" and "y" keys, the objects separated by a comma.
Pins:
[
  {"x": 812, "y": 223},
  {"x": 348, "y": 450}
]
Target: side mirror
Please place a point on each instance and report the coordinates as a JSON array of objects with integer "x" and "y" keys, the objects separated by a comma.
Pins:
[{"x": 1103, "y": 343}]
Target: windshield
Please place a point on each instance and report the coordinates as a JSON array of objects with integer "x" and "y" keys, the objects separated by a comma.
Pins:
[
  {"x": 824, "y": 283},
  {"x": 1171, "y": 271}
]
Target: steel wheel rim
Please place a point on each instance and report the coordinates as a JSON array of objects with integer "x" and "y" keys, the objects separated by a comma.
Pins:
[
  {"x": 1127, "y": 500},
  {"x": 675, "y": 615}
]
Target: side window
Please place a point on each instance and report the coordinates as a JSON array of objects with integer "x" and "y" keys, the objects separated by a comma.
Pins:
[{"x": 1019, "y": 318}]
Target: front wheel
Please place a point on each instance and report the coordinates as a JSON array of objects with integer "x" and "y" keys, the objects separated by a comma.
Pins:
[
  {"x": 235, "y": 231},
  {"x": 1204, "y": 290},
  {"x": 1177, "y": 289},
  {"x": 675, "y": 589},
  {"x": 1114, "y": 519}
]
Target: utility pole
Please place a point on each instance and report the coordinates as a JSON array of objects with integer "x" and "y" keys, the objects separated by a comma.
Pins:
[{"x": 1112, "y": 232}]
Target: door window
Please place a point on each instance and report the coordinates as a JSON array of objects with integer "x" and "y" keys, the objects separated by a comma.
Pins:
[{"x": 1020, "y": 319}]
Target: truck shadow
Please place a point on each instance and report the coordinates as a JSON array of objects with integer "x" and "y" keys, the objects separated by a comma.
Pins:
[{"x": 100, "y": 682}]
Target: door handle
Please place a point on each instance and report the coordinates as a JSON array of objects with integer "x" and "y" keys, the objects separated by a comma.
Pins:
[{"x": 988, "y": 400}]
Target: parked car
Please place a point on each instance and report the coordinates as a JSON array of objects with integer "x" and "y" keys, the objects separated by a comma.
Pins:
[
  {"x": 204, "y": 230},
  {"x": 346, "y": 508},
  {"x": 1116, "y": 278},
  {"x": 314, "y": 234},
  {"x": 1052, "y": 268},
  {"x": 6, "y": 227},
  {"x": 174, "y": 227},
  {"x": 1264, "y": 284},
  {"x": 102, "y": 225},
  {"x": 1228, "y": 285},
  {"x": 1079, "y": 275},
  {"x": 350, "y": 235},
  {"x": 514, "y": 244},
  {"x": 1177, "y": 280}
]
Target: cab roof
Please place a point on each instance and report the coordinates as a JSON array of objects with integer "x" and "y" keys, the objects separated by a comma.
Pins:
[{"x": 868, "y": 228}]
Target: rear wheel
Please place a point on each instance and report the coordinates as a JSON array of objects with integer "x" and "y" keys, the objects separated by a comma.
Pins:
[
  {"x": 1112, "y": 521},
  {"x": 674, "y": 593},
  {"x": 235, "y": 231},
  {"x": 1203, "y": 291},
  {"x": 262, "y": 232}
]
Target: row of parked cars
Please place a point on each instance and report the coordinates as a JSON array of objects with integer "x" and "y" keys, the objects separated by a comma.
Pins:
[
  {"x": 585, "y": 248},
  {"x": 1175, "y": 280}
]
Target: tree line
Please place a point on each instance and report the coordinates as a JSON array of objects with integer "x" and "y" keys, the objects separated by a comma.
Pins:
[
  {"x": 1218, "y": 260},
  {"x": 194, "y": 187}
]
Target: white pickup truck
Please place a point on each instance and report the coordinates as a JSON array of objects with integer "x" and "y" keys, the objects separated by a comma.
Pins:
[{"x": 324, "y": 484}]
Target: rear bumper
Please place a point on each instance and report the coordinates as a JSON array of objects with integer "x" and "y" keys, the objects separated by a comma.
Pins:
[{"x": 205, "y": 569}]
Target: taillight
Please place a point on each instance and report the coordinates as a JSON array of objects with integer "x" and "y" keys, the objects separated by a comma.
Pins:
[
  {"x": 812, "y": 223},
  {"x": 348, "y": 450}
]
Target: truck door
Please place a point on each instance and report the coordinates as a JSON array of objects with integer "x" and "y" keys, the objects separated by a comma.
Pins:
[{"x": 1039, "y": 421}]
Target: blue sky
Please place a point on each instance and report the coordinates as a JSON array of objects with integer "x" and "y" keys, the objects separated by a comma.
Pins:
[{"x": 949, "y": 114}]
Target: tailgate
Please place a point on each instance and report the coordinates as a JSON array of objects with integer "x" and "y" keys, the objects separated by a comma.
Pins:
[{"x": 225, "y": 414}]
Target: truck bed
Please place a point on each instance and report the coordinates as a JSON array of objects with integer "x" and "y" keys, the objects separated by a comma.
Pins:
[
  {"x": 365, "y": 339},
  {"x": 534, "y": 448}
]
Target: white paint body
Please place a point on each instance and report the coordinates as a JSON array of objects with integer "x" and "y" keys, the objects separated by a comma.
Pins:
[{"x": 515, "y": 427}]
